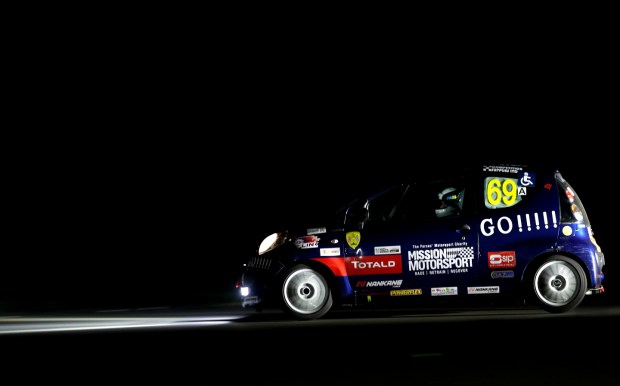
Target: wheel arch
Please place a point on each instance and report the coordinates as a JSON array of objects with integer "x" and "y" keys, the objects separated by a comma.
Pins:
[{"x": 552, "y": 288}]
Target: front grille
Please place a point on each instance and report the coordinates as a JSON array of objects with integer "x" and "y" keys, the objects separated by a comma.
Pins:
[{"x": 259, "y": 263}]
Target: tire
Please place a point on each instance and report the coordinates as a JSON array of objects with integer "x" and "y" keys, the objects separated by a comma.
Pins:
[
  {"x": 305, "y": 293},
  {"x": 558, "y": 284}
]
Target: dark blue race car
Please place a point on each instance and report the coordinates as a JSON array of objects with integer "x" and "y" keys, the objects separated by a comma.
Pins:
[{"x": 493, "y": 231}]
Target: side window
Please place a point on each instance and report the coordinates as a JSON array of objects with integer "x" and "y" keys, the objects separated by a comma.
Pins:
[
  {"x": 450, "y": 200},
  {"x": 382, "y": 208},
  {"x": 431, "y": 201},
  {"x": 413, "y": 206}
]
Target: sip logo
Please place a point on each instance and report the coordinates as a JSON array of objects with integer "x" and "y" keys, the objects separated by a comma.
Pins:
[{"x": 504, "y": 259}]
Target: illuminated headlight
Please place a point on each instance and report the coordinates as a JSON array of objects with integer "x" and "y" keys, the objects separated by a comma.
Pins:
[
  {"x": 271, "y": 242},
  {"x": 245, "y": 291}
]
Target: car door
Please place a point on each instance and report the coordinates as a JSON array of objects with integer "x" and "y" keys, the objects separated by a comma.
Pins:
[{"x": 404, "y": 248}]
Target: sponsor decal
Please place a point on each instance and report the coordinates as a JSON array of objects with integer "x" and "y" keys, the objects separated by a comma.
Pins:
[
  {"x": 374, "y": 265},
  {"x": 406, "y": 292},
  {"x": 391, "y": 250},
  {"x": 527, "y": 179},
  {"x": 527, "y": 222},
  {"x": 316, "y": 231},
  {"x": 353, "y": 239},
  {"x": 483, "y": 290},
  {"x": 502, "y": 168},
  {"x": 444, "y": 291},
  {"x": 504, "y": 259},
  {"x": 502, "y": 274},
  {"x": 306, "y": 242},
  {"x": 440, "y": 259},
  {"x": 379, "y": 283},
  {"x": 330, "y": 251}
]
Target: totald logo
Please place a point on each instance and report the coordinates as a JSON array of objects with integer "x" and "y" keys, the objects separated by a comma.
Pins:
[{"x": 353, "y": 239}]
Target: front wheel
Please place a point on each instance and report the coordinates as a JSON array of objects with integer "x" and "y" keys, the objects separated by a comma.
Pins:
[
  {"x": 558, "y": 284},
  {"x": 305, "y": 293}
]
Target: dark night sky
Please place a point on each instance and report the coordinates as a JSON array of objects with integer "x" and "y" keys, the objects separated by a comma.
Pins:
[
  {"x": 160, "y": 194},
  {"x": 172, "y": 222},
  {"x": 151, "y": 169}
]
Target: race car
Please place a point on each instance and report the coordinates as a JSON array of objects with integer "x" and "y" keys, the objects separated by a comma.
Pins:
[{"x": 499, "y": 230}]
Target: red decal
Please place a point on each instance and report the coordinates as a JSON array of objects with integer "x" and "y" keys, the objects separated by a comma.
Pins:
[
  {"x": 374, "y": 265},
  {"x": 364, "y": 265},
  {"x": 504, "y": 259},
  {"x": 336, "y": 264}
]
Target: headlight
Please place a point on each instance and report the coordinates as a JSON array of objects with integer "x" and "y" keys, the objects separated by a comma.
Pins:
[{"x": 272, "y": 242}]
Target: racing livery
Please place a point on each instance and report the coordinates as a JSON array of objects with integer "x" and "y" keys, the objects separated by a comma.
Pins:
[{"x": 493, "y": 230}]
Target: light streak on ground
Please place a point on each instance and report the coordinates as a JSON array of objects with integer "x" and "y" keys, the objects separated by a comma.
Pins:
[{"x": 31, "y": 325}]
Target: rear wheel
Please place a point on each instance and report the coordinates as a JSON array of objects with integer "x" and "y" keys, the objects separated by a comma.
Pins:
[
  {"x": 558, "y": 284},
  {"x": 305, "y": 293}
]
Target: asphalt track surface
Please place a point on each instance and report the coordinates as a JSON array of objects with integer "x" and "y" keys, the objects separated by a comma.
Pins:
[{"x": 225, "y": 344}]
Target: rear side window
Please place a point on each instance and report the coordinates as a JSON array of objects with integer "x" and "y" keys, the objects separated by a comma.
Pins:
[{"x": 501, "y": 191}]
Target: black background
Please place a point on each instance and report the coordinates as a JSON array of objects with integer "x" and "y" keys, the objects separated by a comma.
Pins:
[
  {"x": 147, "y": 220},
  {"x": 147, "y": 174},
  {"x": 145, "y": 159}
]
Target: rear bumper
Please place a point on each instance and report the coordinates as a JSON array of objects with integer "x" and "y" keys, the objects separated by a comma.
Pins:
[{"x": 595, "y": 291}]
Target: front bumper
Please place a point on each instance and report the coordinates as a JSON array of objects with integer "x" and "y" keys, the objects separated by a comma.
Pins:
[
  {"x": 257, "y": 281},
  {"x": 250, "y": 301}
]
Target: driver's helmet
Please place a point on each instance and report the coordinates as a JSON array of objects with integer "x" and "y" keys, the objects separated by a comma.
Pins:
[{"x": 445, "y": 209}]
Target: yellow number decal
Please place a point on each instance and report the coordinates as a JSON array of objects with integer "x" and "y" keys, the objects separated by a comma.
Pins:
[
  {"x": 494, "y": 194},
  {"x": 509, "y": 188},
  {"x": 501, "y": 192}
]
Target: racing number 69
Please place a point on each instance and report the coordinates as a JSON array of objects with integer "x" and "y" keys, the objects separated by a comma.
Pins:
[{"x": 507, "y": 194}]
